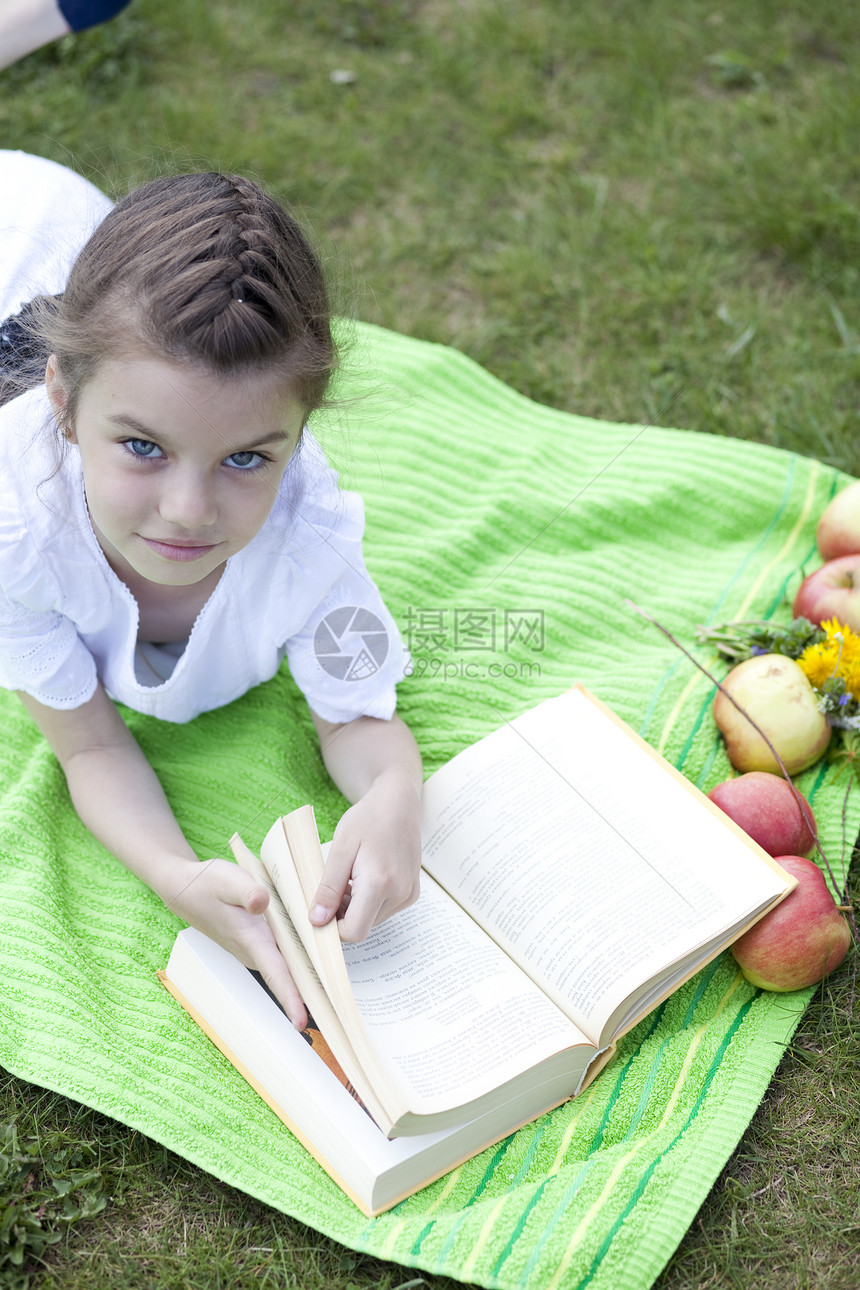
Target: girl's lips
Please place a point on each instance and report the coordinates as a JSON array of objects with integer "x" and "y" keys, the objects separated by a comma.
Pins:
[{"x": 178, "y": 550}]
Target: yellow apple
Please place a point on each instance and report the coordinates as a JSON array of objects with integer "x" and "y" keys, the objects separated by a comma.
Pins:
[{"x": 777, "y": 696}]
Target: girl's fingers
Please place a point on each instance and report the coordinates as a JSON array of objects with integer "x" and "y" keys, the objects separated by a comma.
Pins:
[
  {"x": 256, "y": 899},
  {"x": 276, "y": 975},
  {"x": 255, "y": 945},
  {"x": 331, "y": 893},
  {"x": 364, "y": 912},
  {"x": 235, "y": 887},
  {"x": 368, "y": 908}
]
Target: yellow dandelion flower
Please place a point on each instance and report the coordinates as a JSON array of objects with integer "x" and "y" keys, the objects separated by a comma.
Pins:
[
  {"x": 849, "y": 639},
  {"x": 837, "y": 656},
  {"x": 819, "y": 662},
  {"x": 851, "y": 677}
]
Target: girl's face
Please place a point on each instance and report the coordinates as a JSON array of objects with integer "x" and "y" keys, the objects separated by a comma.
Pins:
[{"x": 181, "y": 468}]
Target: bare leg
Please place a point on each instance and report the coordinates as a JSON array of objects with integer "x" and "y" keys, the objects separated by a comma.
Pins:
[{"x": 26, "y": 25}]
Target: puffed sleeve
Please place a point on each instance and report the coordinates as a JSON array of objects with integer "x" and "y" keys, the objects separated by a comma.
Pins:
[
  {"x": 348, "y": 656},
  {"x": 42, "y": 654},
  {"x": 40, "y": 649}
]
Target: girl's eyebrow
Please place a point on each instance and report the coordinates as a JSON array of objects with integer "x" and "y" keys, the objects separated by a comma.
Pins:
[{"x": 131, "y": 423}]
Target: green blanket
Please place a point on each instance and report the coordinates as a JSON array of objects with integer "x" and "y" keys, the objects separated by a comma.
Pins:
[{"x": 506, "y": 538}]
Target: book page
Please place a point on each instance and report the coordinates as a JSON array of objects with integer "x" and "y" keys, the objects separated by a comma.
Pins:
[
  {"x": 585, "y": 857},
  {"x": 306, "y": 977},
  {"x": 491, "y": 1023},
  {"x": 446, "y": 1007}
]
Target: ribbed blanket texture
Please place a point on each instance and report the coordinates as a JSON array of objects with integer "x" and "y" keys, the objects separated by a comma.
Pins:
[{"x": 507, "y": 539}]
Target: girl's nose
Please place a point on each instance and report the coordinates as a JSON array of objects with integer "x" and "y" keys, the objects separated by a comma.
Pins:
[{"x": 187, "y": 501}]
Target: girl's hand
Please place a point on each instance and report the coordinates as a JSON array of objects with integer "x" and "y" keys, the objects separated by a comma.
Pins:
[
  {"x": 223, "y": 902},
  {"x": 372, "y": 866}
]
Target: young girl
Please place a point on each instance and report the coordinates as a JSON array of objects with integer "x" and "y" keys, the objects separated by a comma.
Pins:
[{"x": 169, "y": 530}]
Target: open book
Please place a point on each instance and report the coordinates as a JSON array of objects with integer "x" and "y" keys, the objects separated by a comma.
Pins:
[{"x": 571, "y": 880}]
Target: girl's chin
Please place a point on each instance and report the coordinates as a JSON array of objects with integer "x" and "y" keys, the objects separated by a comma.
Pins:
[{"x": 179, "y": 573}]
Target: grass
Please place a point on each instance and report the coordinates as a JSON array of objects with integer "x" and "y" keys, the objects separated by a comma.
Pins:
[{"x": 643, "y": 212}]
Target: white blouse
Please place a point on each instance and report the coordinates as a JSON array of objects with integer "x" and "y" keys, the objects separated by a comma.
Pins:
[{"x": 300, "y": 588}]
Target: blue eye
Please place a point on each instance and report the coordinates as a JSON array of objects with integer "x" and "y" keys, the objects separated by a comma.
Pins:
[
  {"x": 245, "y": 460},
  {"x": 143, "y": 448}
]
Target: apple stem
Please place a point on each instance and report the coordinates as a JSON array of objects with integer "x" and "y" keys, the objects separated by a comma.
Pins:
[
  {"x": 844, "y": 892},
  {"x": 798, "y": 796}
]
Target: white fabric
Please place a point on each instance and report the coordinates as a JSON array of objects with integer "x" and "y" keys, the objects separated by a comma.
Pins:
[
  {"x": 46, "y": 214},
  {"x": 67, "y": 620}
]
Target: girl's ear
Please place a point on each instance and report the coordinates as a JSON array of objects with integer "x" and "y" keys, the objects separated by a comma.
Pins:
[{"x": 58, "y": 397}]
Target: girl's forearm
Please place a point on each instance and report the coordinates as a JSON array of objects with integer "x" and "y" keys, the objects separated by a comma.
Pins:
[
  {"x": 118, "y": 797},
  {"x": 114, "y": 789},
  {"x": 360, "y": 752}
]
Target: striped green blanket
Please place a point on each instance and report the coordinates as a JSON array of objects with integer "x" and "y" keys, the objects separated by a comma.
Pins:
[{"x": 506, "y": 538}]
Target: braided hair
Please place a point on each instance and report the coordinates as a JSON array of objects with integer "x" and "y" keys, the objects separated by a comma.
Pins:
[{"x": 202, "y": 268}]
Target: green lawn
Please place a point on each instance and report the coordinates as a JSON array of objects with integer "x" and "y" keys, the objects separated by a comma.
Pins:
[{"x": 640, "y": 211}]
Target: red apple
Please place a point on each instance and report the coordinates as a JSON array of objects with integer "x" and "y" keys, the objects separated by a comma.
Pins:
[
  {"x": 833, "y": 591},
  {"x": 839, "y": 527},
  {"x": 800, "y": 941},
  {"x": 766, "y": 808},
  {"x": 773, "y": 691}
]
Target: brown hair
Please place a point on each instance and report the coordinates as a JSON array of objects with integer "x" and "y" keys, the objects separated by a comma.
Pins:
[{"x": 203, "y": 268}]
